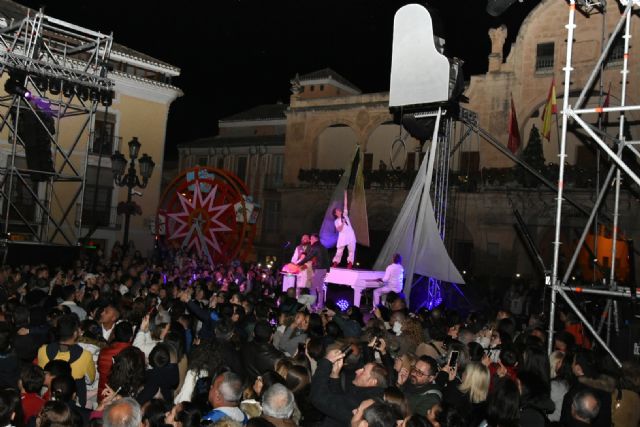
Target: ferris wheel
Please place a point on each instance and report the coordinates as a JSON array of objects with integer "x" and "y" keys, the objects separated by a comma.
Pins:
[{"x": 208, "y": 211}]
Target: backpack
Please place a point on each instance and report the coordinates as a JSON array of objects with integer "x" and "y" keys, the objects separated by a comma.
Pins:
[{"x": 75, "y": 352}]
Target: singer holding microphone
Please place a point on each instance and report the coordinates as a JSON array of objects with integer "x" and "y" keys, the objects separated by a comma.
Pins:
[{"x": 346, "y": 235}]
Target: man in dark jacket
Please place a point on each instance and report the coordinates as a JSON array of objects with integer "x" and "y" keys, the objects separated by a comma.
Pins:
[
  {"x": 260, "y": 355},
  {"x": 419, "y": 385},
  {"x": 337, "y": 403},
  {"x": 319, "y": 258}
]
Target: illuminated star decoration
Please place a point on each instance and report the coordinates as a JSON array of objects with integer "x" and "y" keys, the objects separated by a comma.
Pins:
[{"x": 199, "y": 221}]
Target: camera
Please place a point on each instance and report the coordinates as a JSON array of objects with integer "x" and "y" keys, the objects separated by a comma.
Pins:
[{"x": 347, "y": 350}]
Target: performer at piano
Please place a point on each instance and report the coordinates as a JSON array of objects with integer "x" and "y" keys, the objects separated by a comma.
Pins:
[
  {"x": 393, "y": 280},
  {"x": 319, "y": 258},
  {"x": 346, "y": 235}
]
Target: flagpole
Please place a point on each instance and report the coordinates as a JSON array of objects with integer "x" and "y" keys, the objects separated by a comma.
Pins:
[{"x": 558, "y": 131}]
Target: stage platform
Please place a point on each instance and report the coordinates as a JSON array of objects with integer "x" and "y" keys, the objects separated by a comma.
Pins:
[{"x": 359, "y": 280}]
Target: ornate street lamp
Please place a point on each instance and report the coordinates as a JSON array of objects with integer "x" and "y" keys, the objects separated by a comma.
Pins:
[{"x": 131, "y": 179}]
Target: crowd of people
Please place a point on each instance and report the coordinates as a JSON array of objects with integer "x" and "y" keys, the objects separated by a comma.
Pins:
[{"x": 123, "y": 342}]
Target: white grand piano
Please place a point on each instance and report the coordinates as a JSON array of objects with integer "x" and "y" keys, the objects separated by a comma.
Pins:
[{"x": 359, "y": 280}]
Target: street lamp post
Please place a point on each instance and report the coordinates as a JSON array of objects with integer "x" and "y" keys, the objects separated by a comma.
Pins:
[{"x": 131, "y": 179}]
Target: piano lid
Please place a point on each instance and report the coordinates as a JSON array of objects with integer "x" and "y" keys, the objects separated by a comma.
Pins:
[{"x": 419, "y": 73}]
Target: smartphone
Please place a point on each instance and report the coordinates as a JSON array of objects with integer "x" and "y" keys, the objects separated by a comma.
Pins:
[
  {"x": 347, "y": 350},
  {"x": 453, "y": 359}
]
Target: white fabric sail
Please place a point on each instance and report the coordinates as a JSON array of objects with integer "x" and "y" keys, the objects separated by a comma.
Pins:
[{"x": 415, "y": 233}]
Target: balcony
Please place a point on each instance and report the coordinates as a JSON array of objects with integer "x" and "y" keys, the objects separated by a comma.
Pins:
[
  {"x": 381, "y": 179},
  {"x": 102, "y": 216},
  {"x": 485, "y": 179}
]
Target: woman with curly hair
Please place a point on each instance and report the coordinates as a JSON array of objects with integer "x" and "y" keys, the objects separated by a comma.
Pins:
[
  {"x": 411, "y": 336},
  {"x": 127, "y": 373},
  {"x": 204, "y": 360}
]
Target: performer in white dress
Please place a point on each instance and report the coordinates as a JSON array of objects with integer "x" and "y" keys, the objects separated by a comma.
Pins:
[
  {"x": 393, "y": 280},
  {"x": 346, "y": 235}
]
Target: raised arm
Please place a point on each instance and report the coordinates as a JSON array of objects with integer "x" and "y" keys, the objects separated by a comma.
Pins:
[{"x": 345, "y": 211}]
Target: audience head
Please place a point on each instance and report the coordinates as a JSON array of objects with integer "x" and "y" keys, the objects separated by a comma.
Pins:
[
  {"x": 585, "y": 406},
  {"x": 424, "y": 371},
  {"x": 226, "y": 390},
  {"x": 278, "y": 402},
  {"x": 475, "y": 382},
  {"x": 371, "y": 375},
  {"x": 124, "y": 412},
  {"x": 31, "y": 378},
  {"x": 122, "y": 332}
]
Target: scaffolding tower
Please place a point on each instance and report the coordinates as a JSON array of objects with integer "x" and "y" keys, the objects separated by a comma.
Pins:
[
  {"x": 60, "y": 71},
  {"x": 557, "y": 283}
]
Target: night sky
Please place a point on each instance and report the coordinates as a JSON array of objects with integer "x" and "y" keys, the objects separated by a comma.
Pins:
[{"x": 240, "y": 53}]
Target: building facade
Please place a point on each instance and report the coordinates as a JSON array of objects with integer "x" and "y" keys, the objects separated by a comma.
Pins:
[
  {"x": 140, "y": 108},
  {"x": 251, "y": 145},
  {"x": 328, "y": 116}
]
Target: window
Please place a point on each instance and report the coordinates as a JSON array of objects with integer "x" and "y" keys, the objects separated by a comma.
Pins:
[
  {"x": 220, "y": 163},
  {"x": 271, "y": 222},
  {"x": 321, "y": 87},
  {"x": 203, "y": 161},
  {"x": 616, "y": 53},
  {"x": 311, "y": 88},
  {"x": 544, "y": 57},
  {"x": 241, "y": 167},
  {"x": 104, "y": 134},
  {"x": 274, "y": 177},
  {"x": 98, "y": 189}
]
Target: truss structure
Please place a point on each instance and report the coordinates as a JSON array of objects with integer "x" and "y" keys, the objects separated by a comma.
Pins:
[
  {"x": 575, "y": 112},
  {"x": 64, "y": 69}
]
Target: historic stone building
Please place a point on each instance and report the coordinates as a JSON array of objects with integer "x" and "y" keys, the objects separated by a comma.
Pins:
[{"x": 328, "y": 116}]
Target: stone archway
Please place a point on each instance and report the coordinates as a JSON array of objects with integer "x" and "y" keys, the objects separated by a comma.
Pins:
[{"x": 334, "y": 146}]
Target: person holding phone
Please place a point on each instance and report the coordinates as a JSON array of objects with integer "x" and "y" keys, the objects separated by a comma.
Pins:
[{"x": 337, "y": 404}]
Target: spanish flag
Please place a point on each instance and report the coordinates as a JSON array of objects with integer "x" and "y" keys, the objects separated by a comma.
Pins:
[{"x": 550, "y": 109}]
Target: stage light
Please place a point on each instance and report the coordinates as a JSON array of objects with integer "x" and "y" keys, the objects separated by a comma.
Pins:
[
  {"x": 55, "y": 86},
  {"x": 83, "y": 92},
  {"x": 15, "y": 85},
  {"x": 94, "y": 94},
  {"x": 67, "y": 89},
  {"x": 41, "y": 83},
  {"x": 518, "y": 275},
  {"x": 343, "y": 304},
  {"x": 106, "y": 97}
]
